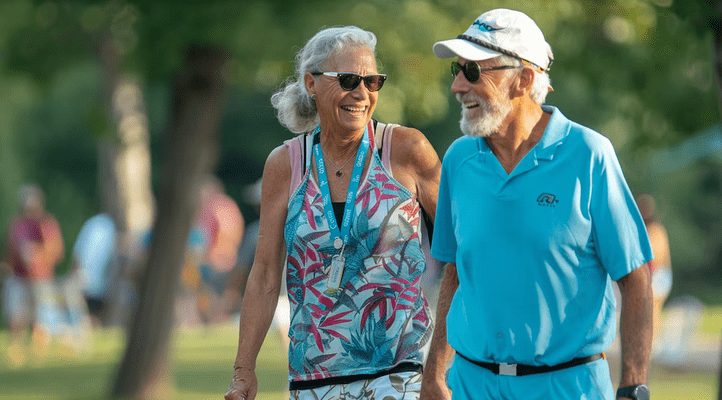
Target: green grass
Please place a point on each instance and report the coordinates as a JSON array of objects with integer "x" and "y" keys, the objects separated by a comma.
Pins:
[
  {"x": 712, "y": 321},
  {"x": 203, "y": 365},
  {"x": 203, "y": 361}
]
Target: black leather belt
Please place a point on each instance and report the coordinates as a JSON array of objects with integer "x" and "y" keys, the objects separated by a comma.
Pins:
[
  {"x": 406, "y": 366},
  {"x": 521, "y": 370}
]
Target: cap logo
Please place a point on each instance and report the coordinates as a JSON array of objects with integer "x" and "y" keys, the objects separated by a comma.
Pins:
[{"x": 483, "y": 26}]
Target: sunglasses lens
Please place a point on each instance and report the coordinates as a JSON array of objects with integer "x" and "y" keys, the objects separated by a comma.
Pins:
[
  {"x": 455, "y": 68},
  {"x": 470, "y": 69},
  {"x": 374, "y": 82},
  {"x": 349, "y": 81}
]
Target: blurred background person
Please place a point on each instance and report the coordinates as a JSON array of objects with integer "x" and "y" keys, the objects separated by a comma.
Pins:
[
  {"x": 188, "y": 303},
  {"x": 236, "y": 283},
  {"x": 222, "y": 225},
  {"x": 660, "y": 267},
  {"x": 34, "y": 247},
  {"x": 94, "y": 255},
  {"x": 211, "y": 254}
]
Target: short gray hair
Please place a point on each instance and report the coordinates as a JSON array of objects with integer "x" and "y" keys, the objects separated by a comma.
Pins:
[
  {"x": 542, "y": 81},
  {"x": 296, "y": 109}
]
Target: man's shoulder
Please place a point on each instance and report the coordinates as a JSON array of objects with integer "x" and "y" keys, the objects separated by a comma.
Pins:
[
  {"x": 581, "y": 136},
  {"x": 460, "y": 150},
  {"x": 465, "y": 145}
]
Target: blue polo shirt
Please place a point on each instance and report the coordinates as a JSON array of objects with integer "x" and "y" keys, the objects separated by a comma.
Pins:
[{"x": 535, "y": 249}]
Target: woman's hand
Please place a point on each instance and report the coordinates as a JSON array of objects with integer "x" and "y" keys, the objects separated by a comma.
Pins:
[
  {"x": 434, "y": 388},
  {"x": 244, "y": 385}
]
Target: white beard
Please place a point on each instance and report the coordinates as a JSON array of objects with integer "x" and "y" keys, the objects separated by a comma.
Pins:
[{"x": 492, "y": 115}]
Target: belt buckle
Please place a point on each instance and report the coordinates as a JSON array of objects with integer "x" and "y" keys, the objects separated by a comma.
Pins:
[{"x": 507, "y": 369}]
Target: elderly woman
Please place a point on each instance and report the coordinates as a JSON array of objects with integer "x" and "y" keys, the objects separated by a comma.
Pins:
[{"x": 342, "y": 205}]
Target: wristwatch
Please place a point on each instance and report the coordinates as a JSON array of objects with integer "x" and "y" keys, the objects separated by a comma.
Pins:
[{"x": 636, "y": 392}]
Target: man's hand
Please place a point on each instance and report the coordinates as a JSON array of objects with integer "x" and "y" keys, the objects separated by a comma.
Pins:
[
  {"x": 433, "y": 384},
  {"x": 244, "y": 385}
]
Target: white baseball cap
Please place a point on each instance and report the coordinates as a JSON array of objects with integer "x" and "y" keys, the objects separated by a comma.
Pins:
[{"x": 498, "y": 32}]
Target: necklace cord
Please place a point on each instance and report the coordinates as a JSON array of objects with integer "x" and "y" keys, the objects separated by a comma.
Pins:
[{"x": 336, "y": 165}]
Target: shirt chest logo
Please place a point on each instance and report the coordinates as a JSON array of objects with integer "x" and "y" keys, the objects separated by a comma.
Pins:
[{"x": 547, "y": 200}]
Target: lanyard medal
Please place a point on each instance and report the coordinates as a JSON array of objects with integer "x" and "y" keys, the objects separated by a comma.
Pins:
[{"x": 339, "y": 236}]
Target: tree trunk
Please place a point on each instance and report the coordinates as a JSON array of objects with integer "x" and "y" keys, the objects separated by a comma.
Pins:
[
  {"x": 192, "y": 143},
  {"x": 717, "y": 30},
  {"x": 124, "y": 173}
]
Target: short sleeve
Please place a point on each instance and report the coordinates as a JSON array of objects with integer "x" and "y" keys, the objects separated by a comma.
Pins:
[
  {"x": 619, "y": 232},
  {"x": 443, "y": 245}
]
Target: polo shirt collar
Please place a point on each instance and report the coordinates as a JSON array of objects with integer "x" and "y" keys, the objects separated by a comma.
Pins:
[{"x": 556, "y": 131}]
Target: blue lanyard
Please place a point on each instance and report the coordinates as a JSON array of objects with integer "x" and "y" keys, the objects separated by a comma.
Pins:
[{"x": 340, "y": 238}]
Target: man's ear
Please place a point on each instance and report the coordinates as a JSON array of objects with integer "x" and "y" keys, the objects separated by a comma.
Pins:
[
  {"x": 525, "y": 82},
  {"x": 310, "y": 83}
]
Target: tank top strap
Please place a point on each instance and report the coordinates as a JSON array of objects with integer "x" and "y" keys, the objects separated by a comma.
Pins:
[
  {"x": 298, "y": 149},
  {"x": 386, "y": 143}
]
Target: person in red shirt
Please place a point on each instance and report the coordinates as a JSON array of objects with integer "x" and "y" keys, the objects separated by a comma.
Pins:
[
  {"x": 34, "y": 247},
  {"x": 222, "y": 224}
]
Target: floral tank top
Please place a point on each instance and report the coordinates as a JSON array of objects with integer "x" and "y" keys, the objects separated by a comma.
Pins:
[{"x": 379, "y": 317}]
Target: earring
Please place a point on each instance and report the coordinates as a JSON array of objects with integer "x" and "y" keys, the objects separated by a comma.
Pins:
[{"x": 313, "y": 97}]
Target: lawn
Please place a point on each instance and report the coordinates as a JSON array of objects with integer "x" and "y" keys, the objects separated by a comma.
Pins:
[{"x": 204, "y": 363}]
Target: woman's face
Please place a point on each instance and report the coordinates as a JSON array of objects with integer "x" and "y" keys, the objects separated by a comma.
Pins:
[{"x": 340, "y": 109}]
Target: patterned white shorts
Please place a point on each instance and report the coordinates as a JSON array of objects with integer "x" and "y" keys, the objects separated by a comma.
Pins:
[{"x": 398, "y": 386}]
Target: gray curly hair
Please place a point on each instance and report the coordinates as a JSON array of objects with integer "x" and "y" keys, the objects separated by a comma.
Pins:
[{"x": 296, "y": 109}]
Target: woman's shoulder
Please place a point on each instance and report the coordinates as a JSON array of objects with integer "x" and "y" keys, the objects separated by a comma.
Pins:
[
  {"x": 410, "y": 143},
  {"x": 413, "y": 157},
  {"x": 278, "y": 163}
]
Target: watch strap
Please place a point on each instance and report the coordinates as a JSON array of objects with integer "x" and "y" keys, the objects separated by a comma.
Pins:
[{"x": 635, "y": 392}]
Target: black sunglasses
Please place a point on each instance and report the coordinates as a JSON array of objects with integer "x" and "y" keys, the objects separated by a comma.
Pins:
[
  {"x": 350, "y": 81},
  {"x": 472, "y": 71}
]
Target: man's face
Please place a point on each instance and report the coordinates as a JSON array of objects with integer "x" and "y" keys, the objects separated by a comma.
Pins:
[{"x": 486, "y": 103}]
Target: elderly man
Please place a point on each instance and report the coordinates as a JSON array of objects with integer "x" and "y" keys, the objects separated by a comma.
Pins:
[{"x": 534, "y": 217}]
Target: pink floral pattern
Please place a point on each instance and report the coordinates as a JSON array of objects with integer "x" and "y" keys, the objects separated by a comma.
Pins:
[{"x": 379, "y": 318}]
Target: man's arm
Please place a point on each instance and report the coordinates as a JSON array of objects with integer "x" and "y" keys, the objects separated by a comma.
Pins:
[
  {"x": 636, "y": 326},
  {"x": 434, "y": 381}
]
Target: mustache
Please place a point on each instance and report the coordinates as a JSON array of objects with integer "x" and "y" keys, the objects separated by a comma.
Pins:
[{"x": 469, "y": 97}]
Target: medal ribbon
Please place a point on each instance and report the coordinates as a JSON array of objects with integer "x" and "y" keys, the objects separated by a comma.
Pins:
[{"x": 352, "y": 188}]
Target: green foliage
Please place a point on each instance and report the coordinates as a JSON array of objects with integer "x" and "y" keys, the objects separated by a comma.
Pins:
[{"x": 639, "y": 71}]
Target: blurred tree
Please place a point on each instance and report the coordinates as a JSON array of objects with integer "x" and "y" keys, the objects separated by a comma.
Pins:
[
  {"x": 716, "y": 26},
  {"x": 639, "y": 71},
  {"x": 52, "y": 37},
  {"x": 192, "y": 144}
]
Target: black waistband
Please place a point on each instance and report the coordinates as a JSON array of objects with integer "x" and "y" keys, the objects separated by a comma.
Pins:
[
  {"x": 340, "y": 380},
  {"x": 521, "y": 370}
]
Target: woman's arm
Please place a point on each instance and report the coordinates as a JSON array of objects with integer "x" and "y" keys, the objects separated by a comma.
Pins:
[
  {"x": 416, "y": 165},
  {"x": 264, "y": 282}
]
